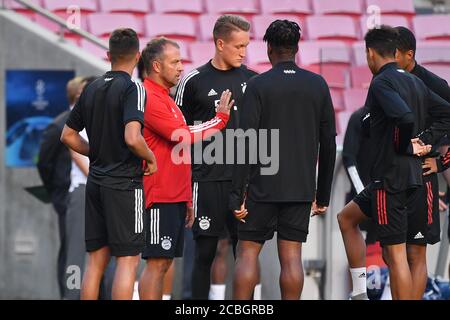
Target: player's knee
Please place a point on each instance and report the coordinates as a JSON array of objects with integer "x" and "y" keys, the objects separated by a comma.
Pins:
[
  {"x": 160, "y": 266},
  {"x": 343, "y": 221}
]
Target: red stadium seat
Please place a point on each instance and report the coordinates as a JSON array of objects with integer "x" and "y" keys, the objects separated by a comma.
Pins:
[
  {"x": 337, "y": 76},
  {"x": 316, "y": 52},
  {"x": 435, "y": 52},
  {"x": 201, "y": 52},
  {"x": 62, "y": 5},
  {"x": 434, "y": 27},
  {"x": 207, "y": 25},
  {"x": 361, "y": 76},
  {"x": 354, "y": 99},
  {"x": 177, "y": 26},
  {"x": 331, "y": 27},
  {"x": 231, "y": 6},
  {"x": 403, "y": 7},
  {"x": 359, "y": 53},
  {"x": 178, "y": 6},
  {"x": 94, "y": 49},
  {"x": 298, "y": 7},
  {"x": 262, "y": 22},
  {"x": 347, "y": 7},
  {"x": 102, "y": 24},
  {"x": 338, "y": 101},
  {"x": 135, "y": 6},
  {"x": 390, "y": 20}
]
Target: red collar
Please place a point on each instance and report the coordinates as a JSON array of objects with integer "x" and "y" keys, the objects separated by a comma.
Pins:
[{"x": 156, "y": 86}]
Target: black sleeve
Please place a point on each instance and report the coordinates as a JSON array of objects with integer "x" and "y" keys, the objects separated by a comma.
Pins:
[
  {"x": 441, "y": 88},
  {"x": 185, "y": 98},
  {"x": 395, "y": 108},
  {"x": 439, "y": 111},
  {"x": 48, "y": 151},
  {"x": 75, "y": 120},
  {"x": 134, "y": 103},
  {"x": 327, "y": 151},
  {"x": 250, "y": 116}
]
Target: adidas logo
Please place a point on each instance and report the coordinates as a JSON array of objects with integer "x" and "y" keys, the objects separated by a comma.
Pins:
[
  {"x": 366, "y": 116},
  {"x": 401, "y": 70},
  {"x": 108, "y": 79},
  {"x": 289, "y": 71},
  {"x": 419, "y": 235},
  {"x": 212, "y": 92}
]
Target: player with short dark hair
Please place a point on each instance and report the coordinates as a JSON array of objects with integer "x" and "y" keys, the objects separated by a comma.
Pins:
[{"x": 111, "y": 109}]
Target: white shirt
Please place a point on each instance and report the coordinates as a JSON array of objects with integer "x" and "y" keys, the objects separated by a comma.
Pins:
[{"x": 77, "y": 176}]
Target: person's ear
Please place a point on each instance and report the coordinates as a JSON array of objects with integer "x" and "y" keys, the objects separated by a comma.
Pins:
[
  {"x": 156, "y": 66},
  {"x": 220, "y": 44}
]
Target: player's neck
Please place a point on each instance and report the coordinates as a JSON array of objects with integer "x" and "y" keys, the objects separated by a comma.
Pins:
[
  {"x": 278, "y": 60},
  {"x": 124, "y": 68},
  {"x": 411, "y": 66},
  {"x": 220, "y": 64},
  {"x": 385, "y": 61}
]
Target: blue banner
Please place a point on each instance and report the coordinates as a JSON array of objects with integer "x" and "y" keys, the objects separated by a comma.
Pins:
[{"x": 33, "y": 99}]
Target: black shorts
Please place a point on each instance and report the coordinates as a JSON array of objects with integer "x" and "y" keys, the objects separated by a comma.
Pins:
[
  {"x": 289, "y": 219},
  {"x": 212, "y": 216},
  {"x": 114, "y": 218},
  {"x": 164, "y": 225},
  {"x": 431, "y": 205},
  {"x": 395, "y": 214}
]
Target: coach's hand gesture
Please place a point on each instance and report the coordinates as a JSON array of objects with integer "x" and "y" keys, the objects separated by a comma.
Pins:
[{"x": 225, "y": 104}]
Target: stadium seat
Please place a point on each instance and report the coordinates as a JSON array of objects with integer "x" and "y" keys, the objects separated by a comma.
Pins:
[
  {"x": 338, "y": 101},
  {"x": 402, "y": 7},
  {"x": 62, "y": 5},
  {"x": 262, "y": 22},
  {"x": 178, "y": 6},
  {"x": 102, "y": 24},
  {"x": 315, "y": 52},
  {"x": 231, "y": 6},
  {"x": 135, "y": 6},
  {"x": 359, "y": 53},
  {"x": 257, "y": 53},
  {"x": 54, "y": 27},
  {"x": 347, "y": 7},
  {"x": 177, "y": 26},
  {"x": 298, "y": 7},
  {"x": 331, "y": 27},
  {"x": 94, "y": 49},
  {"x": 434, "y": 27},
  {"x": 435, "y": 52},
  {"x": 207, "y": 22},
  {"x": 441, "y": 70},
  {"x": 260, "y": 68},
  {"x": 342, "y": 119},
  {"x": 360, "y": 76},
  {"x": 337, "y": 76},
  {"x": 354, "y": 99},
  {"x": 201, "y": 52},
  {"x": 390, "y": 20}
]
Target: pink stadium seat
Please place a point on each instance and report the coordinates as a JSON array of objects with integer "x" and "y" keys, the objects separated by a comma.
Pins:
[
  {"x": 201, "y": 52},
  {"x": 207, "y": 25},
  {"x": 338, "y": 100},
  {"x": 102, "y": 24},
  {"x": 94, "y": 49},
  {"x": 177, "y": 26},
  {"x": 354, "y": 99},
  {"x": 315, "y": 52},
  {"x": 434, "y": 26},
  {"x": 231, "y": 6},
  {"x": 361, "y": 76},
  {"x": 390, "y": 20},
  {"x": 54, "y": 27},
  {"x": 260, "y": 68},
  {"x": 441, "y": 71},
  {"x": 331, "y": 27},
  {"x": 62, "y": 5},
  {"x": 262, "y": 22},
  {"x": 403, "y": 7},
  {"x": 436, "y": 52},
  {"x": 298, "y": 7},
  {"x": 342, "y": 119},
  {"x": 257, "y": 53},
  {"x": 347, "y": 7},
  {"x": 359, "y": 53},
  {"x": 178, "y": 6},
  {"x": 337, "y": 76},
  {"x": 135, "y": 6}
]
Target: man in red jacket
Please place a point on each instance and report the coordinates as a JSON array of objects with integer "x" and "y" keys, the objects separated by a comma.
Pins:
[{"x": 168, "y": 193}]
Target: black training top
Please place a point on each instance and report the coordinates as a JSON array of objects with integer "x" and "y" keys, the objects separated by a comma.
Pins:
[
  {"x": 104, "y": 108},
  {"x": 399, "y": 105},
  {"x": 432, "y": 81},
  {"x": 198, "y": 96},
  {"x": 298, "y": 104}
]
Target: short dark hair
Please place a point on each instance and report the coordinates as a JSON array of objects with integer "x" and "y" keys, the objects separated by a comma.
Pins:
[
  {"x": 141, "y": 68},
  {"x": 383, "y": 40},
  {"x": 283, "y": 36},
  {"x": 154, "y": 50},
  {"x": 406, "y": 40},
  {"x": 122, "y": 44},
  {"x": 228, "y": 23}
]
